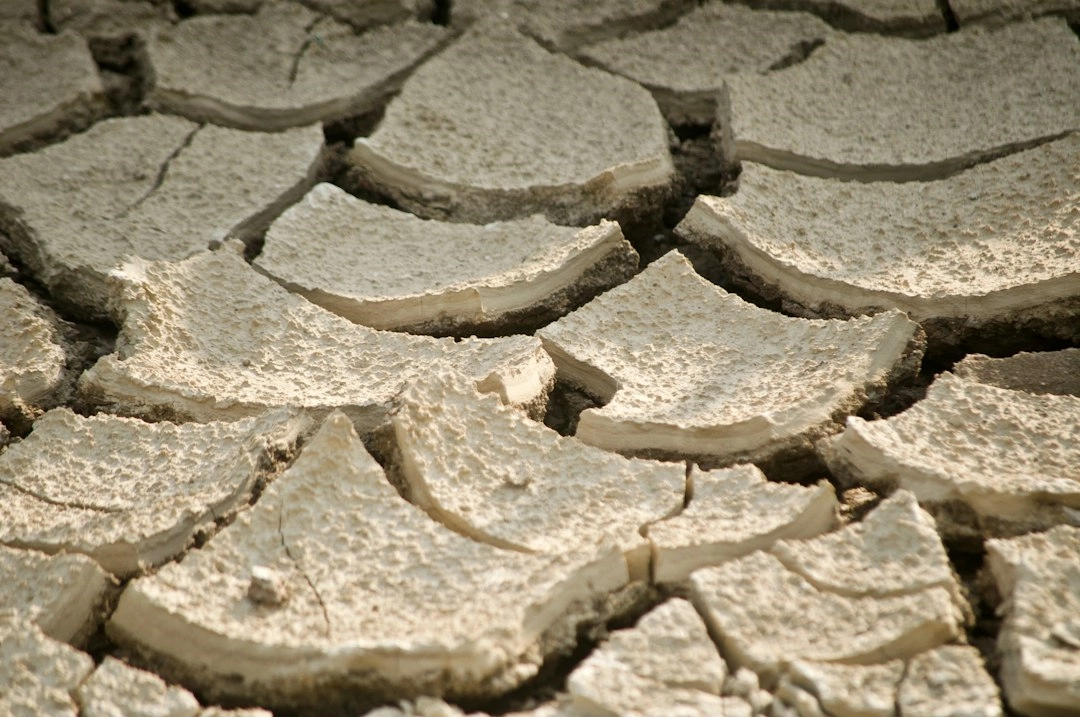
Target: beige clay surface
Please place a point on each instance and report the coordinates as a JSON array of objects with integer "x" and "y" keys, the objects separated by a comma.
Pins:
[
  {"x": 1055, "y": 372},
  {"x": 904, "y": 17},
  {"x": 33, "y": 371},
  {"x": 116, "y": 688},
  {"x": 388, "y": 269},
  {"x": 61, "y": 594},
  {"x": 684, "y": 65},
  {"x": 998, "y": 242},
  {"x": 986, "y": 461},
  {"x": 995, "y": 12},
  {"x": 130, "y": 494},
  {"x": 40, "y": 674},
  {"x": 154, "y": 186},
  {"x": 687, "y": 369},
  {"x": 209, "y": 338},
  {"x": 808, "y": 600},
  {"x": 489, "y": 472},
  {"x": 283, "y": 67},
  {"x": 48, "y": 83},
  {"x": 477, "y": 134},
  {"x": 1038, "y": 578},
  {"x": 1009, "y": 88},
  {"x": 733, "y": 512},
  {"x": 370, "y": 594}
]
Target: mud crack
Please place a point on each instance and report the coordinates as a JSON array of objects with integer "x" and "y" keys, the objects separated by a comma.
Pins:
[
  {"x": 163, "y": 170},
  {"x": 310, "y": 37},
  {"x": 61, "y": 503},
  {"x": 299, "y": 567}
]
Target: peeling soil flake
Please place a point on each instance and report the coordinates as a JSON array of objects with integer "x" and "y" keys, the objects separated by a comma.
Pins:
[
  {"x": 209, "y": 338},
  {"x": 687, "y": 369},
  {"x": 49, "y": 85},
  {"x": 388, "y": 269},
  {"x": 378, "y": 601},
  {"x": 986, "y": 461},
  {"x": 1038, "y": 578},
  {"x": 1005, "y": 90},
  {"x": 489, "y": 472},
  {"x": 684, "y": 65},
  {"x": 130, "y": 494},
  {"x": 997, "y": 245},
  {"x": 495, "y": 127},
  {"x": 152, "y": 186},
  {"x": 284, "y": 66}
]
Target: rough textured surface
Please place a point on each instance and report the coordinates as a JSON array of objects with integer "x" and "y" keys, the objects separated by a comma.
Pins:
[
  {"x": 282, "y": 67},
  {"x": 382, "y": 600},
  {"x": 489, "y": 472},
  {"x": 948, "y": 681},
  {"x": 119, "y": 689},
  {"x": 62, "y": 594},
  {"x": 847, "y": 690},
  {"x": 99, "y": 20},
  {"x": 903, "y": 17},
  {"x": 998, "y": 242},
  {"x": 153, "y": 186},
  {"x": 438, "y": 277},
  {"x": 667, "y": 660},
  {"x": 130, "y": 494},
  {"x": 995, "y": 12},
  {"x": 684, "y": 65},
  {"x": 49, "y": 83},
  {"x": 807, "y": 600},
  {"x": 40, "y": 674},
  {"x": 986, "y": 461},
  {"x": 209, "y": 338},
  {"x": 33, "y": 371},
  {"x": 688, "y": 369},
  {"x": 477, "y": 134},
  {"x": 1038, "y": 577},
  {"x": 733, "y": 512},
  {"x": 363, "y": 15},
  {"x": 1056, "y": 372},
  {"x": 1008, "y": 89}
]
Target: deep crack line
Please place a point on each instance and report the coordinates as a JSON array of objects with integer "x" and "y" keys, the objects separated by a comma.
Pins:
[
  {"x": 162, "y": 171},
  {"x": 61, "y": 503},
  {"x": 303, "y": 573},
  {"x": 309, "y": 37}
]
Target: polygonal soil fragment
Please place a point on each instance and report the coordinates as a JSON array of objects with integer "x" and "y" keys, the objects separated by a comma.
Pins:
[
  {"x": 842, "y": 597},
  {"x": 733, "y": 512},
  {"x": 996, "y": 244},
  {"x": 282, "y": 67},
  {"x": 1038, "y": 577},
  {"x": 496, "y": 127},
  {"x": 489, "y": 472},
  {"x": 565, "y": 25},
  {"x": 32, "y": 357},
  {"x": 1004, "y": 90},
  {"x": 947, "y": 681},
  {"x": 130, "y": 494},
  {"x": 365, "y": 14},
  {"x": 1055, "y": 372},
  {"x": 903, "y": 17},
  {"x": 49, "y": 83},
  {"x": 209, "y": 338},
  {"x": 152, "y": 186},
  {"x": 106, "y": 22},
  {"x": 390, "y": 270},
  {"x": 62, "y": 594},
  {"x": 333, "y": 590},
  {"x": 996, "y": 12},
  {"x": 986, "y": 461},
  {"x": 40, "y": 674},
  {"x": 684, "y": 65},
  {"x": 690, "y": 370},
  {"x": 116, "y": 688},
  {"x": 666, "y": 663}
]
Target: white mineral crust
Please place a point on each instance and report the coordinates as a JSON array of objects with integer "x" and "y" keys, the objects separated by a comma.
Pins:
[
  {"x": 382, "y": 599},
  {"x": 388, "y": 269},
  {"x": 131, "y": 494},
  {"x": 209, "y": 338},
  {"x": 687, "y": 369}
]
